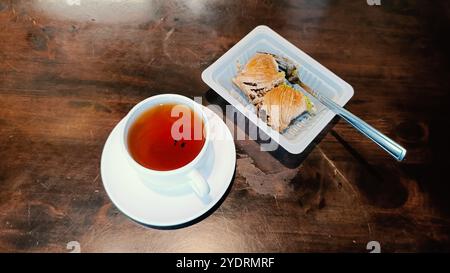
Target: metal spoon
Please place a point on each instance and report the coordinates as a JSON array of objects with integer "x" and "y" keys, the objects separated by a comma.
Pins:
[{"x": 390, "y": 146}]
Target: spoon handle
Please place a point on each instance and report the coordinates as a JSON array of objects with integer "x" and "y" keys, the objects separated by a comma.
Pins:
[{"x": 390, "y": 146}]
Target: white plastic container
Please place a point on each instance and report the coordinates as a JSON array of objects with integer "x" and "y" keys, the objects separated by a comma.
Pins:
[{"x": 300, "y": 134}]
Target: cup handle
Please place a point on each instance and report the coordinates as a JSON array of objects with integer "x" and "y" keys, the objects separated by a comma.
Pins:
[{"x": 198, "y": 184}]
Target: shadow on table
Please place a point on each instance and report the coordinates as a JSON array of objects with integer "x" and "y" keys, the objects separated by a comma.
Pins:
[
  {"x": 286, "y": 158},
  {"x": 391, "y": 193}
]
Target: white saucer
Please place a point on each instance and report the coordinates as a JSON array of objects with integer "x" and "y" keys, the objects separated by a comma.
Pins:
[{"x": 148, "y": 207}]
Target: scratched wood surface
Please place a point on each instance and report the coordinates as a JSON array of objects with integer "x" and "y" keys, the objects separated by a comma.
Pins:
[{"x": 70, "y": 70}]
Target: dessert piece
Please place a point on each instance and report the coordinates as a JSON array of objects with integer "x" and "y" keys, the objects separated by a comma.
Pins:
[
  {"x": 282, "y": 104},
  {"x": 259, "y": 75}
]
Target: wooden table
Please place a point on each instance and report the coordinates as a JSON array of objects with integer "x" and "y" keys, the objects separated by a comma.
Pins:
[{"x": 70, "y": 70}]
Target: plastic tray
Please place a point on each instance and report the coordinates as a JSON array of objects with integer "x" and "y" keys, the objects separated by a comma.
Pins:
[{"x": 303, "y": 131}]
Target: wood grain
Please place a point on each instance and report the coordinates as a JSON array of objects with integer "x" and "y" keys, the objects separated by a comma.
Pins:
[{"x": 69, "y": 73}]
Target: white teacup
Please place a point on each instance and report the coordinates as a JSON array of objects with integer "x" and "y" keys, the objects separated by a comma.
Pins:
[{"x": 172, "y": 179}]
